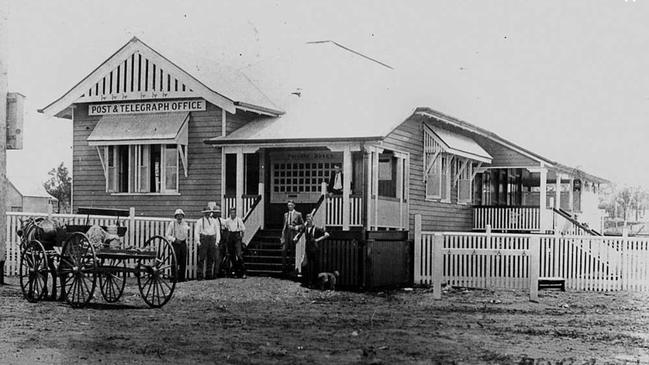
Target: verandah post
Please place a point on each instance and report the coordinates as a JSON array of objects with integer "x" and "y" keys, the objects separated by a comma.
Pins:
[
  {"x": 438, "y": 262},
  {"x": 417, "y": 259},
  {"x": 239, "y": 184},
  {"x": 347, "y": 173},
  {"x": 535, "y": 246},
  {"x": 325, "y": 204}
]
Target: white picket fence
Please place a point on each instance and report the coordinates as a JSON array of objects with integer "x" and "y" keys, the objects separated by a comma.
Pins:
[
  {"x": 516, "y": 261},
  {"x": 139, "y": 230}
]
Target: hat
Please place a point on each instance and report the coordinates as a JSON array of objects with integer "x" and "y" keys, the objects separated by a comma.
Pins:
[
  {"x": 179, "y": 211},
  {"x": 211, "y": 209}
]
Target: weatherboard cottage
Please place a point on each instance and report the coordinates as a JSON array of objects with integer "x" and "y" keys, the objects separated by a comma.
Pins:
[{"x": 158, "y": 133}]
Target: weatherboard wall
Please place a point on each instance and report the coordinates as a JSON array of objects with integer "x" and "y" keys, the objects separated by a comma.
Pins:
[
  {"x": 438, "y": 215},
  {"x": 202, "y": 184}
]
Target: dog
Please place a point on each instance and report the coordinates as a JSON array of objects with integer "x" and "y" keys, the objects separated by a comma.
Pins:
[{"x": 327, "y": 280}]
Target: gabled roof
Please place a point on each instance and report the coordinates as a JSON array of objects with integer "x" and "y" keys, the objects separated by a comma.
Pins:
[
  {"x": 223, "y": 87},
  {"x": 29, "y": 187},
  {"x": 428, "y": 112}
]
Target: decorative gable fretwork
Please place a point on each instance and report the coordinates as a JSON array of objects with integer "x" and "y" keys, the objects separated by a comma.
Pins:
[{"x": 136, "y": 78}]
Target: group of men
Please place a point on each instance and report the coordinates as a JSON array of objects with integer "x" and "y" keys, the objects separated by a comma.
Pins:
[{"x": 217, "y": 239}]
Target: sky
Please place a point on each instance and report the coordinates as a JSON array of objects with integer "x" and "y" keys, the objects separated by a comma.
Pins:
[{"x": 566, "y": 79}]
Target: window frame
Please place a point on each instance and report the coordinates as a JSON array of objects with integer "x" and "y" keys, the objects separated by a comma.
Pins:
[{"x": 139, "y": 158}]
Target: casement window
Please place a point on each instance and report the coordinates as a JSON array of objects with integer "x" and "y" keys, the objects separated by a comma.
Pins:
[
  {"x": 142, "y": 153},
  {"x": 150, "y": 168},
  {"x": 464, "y": 172}
]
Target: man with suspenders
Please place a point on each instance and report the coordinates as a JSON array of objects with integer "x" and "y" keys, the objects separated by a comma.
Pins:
[{"x": 208, "y": 235}]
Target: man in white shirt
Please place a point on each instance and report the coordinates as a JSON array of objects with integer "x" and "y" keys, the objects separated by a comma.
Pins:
[
  {"x": 236, "y": 229},
  {"x": 207, "y": 233},
  {"x": 177, "y": 233},
  {"x": 335, "y": 184}
]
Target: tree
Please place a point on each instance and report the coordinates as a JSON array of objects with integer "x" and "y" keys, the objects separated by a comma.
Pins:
[
  {"x": 628, "y": 202},
  {"x": 59, "y": 186}
]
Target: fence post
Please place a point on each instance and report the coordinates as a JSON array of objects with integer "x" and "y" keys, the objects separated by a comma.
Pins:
[
  {"x": 534, "y": 268},
  {"x": 623, "y": 275},
  {"x": 417, "y": 253},
  {"x": 438, "y": 262},
  {"x": 131, "y": 226}
]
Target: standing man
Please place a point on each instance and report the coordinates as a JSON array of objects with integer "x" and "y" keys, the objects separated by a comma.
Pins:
[
  {"x": 207, "y": 233},
  {"x": 236, "y": 229},
  {"x": 293, "y": 223},
  {"x": 220, "y": 244},
  {"x": 335, "y": 185},
  {"x": 177, "y": 233},
  {"x": 313, "y": 235}
]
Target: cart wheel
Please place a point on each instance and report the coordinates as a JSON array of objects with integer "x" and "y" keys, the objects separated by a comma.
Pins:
[
  {"x": 112, "y": 282},
  {"x": 33, "y": 271},
  {"x": 78, "y": 270},
  {"x": 157, "y": 275}
]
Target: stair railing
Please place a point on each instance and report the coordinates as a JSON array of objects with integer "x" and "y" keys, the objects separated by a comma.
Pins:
[
  {"x": 254, "y": 219},
  {"x": 580, "y": 229}
]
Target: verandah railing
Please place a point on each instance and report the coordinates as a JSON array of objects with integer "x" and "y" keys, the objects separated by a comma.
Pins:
[
  {"x": 334, "y": 210},
  {"x": 230, "y": 201},
  {"x": 507, "y": 218}
]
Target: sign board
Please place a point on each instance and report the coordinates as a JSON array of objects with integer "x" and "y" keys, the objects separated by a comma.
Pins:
[
  {"x": 15, "y": 117},
  {"x": 162, "y": 106}
]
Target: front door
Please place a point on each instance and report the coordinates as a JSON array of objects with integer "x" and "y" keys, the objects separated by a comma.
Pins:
[{"x": 297, "y": 175}]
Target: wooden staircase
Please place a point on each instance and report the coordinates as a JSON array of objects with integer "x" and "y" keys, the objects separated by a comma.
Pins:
[{"x": 263, "y": 257}]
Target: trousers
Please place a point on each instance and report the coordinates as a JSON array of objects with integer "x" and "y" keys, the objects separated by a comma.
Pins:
[
  {"x": 235, "y": 248},
  {"x": 312, "y": 263},
  {"x": 180, "y": 247},
  {"x": 207, "y": 251}
]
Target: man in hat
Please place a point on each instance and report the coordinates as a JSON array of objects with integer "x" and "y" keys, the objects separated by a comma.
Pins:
[
  {"x": 177, "y": 233},
  {"x": 207, "y": 233}
]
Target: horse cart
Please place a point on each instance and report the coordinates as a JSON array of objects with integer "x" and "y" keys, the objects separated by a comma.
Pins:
[{"x": 50, "y": 251}]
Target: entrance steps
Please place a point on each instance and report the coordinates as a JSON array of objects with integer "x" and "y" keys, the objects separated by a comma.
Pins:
[{"x": 263, "y": 257}]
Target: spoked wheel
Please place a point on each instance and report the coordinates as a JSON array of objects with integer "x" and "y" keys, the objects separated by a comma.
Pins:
[
  {"x": 157, "y": 275},
  {"x": 33, "y": 271},
  {"x": 112, "y": 281},
  {"x": 78, "y": 270}
]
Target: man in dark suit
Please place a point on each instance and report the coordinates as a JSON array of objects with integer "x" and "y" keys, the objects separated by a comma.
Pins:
[
  {"x": 335, "y": 184},
  {"x": 313, "y": 235},
  {"x": 293, "y": 224}
]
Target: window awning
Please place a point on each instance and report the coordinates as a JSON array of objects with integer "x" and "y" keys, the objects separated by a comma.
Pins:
[
  {"x": 129, "y": 129},
  {"x": 459, "y": 145}
]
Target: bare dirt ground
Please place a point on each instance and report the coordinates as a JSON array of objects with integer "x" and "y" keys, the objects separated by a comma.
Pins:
[{"x": 267, "y": 321}]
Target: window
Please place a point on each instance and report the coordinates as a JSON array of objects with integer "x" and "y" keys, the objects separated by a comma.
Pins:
[
  {"x": 141, "y": 168},
  {"x": 464, "y": 171},
  {"x": 301, "y": 177},
  {"x": 448, "y": 167},
  {"x": 387, "y": 175},
  {"x": 438, "y": 180}
]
